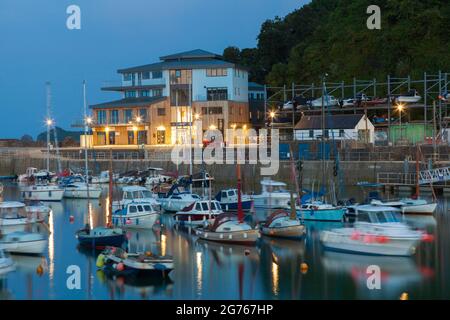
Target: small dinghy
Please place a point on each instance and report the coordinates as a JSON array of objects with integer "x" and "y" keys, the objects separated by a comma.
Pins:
[
  {"x": 136, "y": 215},
  {"x": 100, "y": 237},
  {"x": 21, "y": 242},
  {"x": 122, "y": 262},
  {"x": 6, "y": 263},
  {"x": 228, "y": 227},
  {"x": 282, "y": 225}
]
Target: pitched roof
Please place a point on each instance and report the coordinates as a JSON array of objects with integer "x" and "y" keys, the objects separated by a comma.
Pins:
[
  {"x": 341, "y": 121},
  {"x": 191, "y": 54},
  {"x": 128, "y": 102},
  {"x": 194, "y": 59}
]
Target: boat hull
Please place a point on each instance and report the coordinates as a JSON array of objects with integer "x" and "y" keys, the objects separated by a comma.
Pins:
[
  {"x": 291, "y": 232},
  {"x": 43, "y": 195},
  {"x": 25, "y": 247},
  {"x": 193, "y": 219},
  {"x": 82, "y": 194},
  {"x": 322, "y": 215},
  {"x": 233, "y": 206},
  {"x": 420, "y": 209},
  {"x": 101, "y": 242},
  {"x": 145, "y": 221},
  {"x": 343, "y": 243},
  {"x": 247, "y": 237}
]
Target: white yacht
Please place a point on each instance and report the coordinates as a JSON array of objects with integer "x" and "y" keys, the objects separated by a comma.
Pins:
[
  {"x": 82, "y": 190},
  {"x": 198, "y": 213},
  {"x": 178, "y": 201},
  {"x": 377, "y": 231},
  {"x": 13, "y": 213},
  {"x": 273, "y": 195},
  {"x": 136, "y": 194},
  {"x": 42, "y": 192},
  {"x": 139, "y": 215},
  {"x": 409, "y": 205},
  {"x": 102, "y": 178},
  {"x": 23, "y": 242}
]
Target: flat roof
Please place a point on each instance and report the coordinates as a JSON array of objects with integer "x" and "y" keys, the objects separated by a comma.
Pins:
[{"x": 128, "y": 102}]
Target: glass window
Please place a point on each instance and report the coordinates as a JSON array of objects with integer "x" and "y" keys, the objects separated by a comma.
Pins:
[
  {"x": 114, "y": 116},
  {"x": 145, "y": 93},
  {"x": 146, "y": 75},
  {"x": 205, "y": 206},
  {"x": 216, "y": 72},
  {"x": 130, "y": 94},
  {"x": 231, "y": 193},
  {"x": 341, "y": 132},
  {"x": 217, "y": 94},
  {"x": 147, "y": 208},
  {"x": 127, "y": 77},
  {"x": 224, "y": 194},
  {"x": 157, "y": 92},
  {"x": 311, "y": 133},
  {"x": 198, "y": 207},
  {"x": 161, "y": 111},
  {"x": 133, "y": 209},
  {"x": 101, "y": 116},
  {"x": 157, "y": 74},
  {"x": 127, "y": 115},
  {"x": 143, "y": 114},
  {"x": 140, "y": 209},
  {"x": 215, "y": 110}
]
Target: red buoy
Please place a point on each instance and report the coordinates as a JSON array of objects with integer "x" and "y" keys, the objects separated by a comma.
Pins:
[{"x": 71, "y": 219}]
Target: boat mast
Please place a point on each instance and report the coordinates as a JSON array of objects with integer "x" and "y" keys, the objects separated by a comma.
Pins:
[
  {"x": 85, "y": 138},
  {"x": 49, "y": 123},
  {"x": 240, "y": 212},
  {"x": 109, "y": 219},
  {"x": 417, "y": 171},
  {"x": 297, "y": 188},
  {"x": 323, "y": 133}
]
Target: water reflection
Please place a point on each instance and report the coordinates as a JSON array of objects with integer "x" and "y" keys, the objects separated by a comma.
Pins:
[{"x": 270, "y": 270}]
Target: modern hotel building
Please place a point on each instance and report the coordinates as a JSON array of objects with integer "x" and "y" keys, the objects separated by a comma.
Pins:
[{"x": 161, "y": 100}]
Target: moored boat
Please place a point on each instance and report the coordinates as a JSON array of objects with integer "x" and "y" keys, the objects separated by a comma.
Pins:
[
  {"x": 21, "y": 242},
  {"x": 42, "y": 192},
  {"x": 176, "y": 201},
  {"x": 135, "y": 194},
  {"x": 100, "y": 237},
  {"x": 13, "y": 213},
  {"x": 122, "y": 262},
  {"x": 228, "y": 200},
  {"x": 82, "y": 190},
  {"x": 273, "y": 195},
  {"x": 319, "y": 211},
  {"x": 280, "y": 224},
  {"x": 140, "y": 215},
  {"x": 6, "y": 263},
  {"x": 377, "y": 231},
  {"x": 199, "y": 212}
]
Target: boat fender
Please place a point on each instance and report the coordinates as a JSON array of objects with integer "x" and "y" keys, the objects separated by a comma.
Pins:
[
  {"x": 304, "y": 267},
  {"x": 100, "y": 261},
  {"x": 355, "y": 235},
  {"x": 381, "y": 239},
  {"x": 128, "y": 222},
  {"x": 120, "y": 266},
  {"x": 426, "y": 237},
  {"x": 148, "y": 254},
  {"x": 71, "y": 219}
]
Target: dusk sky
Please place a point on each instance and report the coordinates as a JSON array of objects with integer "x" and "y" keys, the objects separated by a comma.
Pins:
[{"x": 36, "y": 47}]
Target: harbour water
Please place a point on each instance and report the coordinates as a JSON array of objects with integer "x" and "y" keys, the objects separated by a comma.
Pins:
[{"x": 274, "y": 269}]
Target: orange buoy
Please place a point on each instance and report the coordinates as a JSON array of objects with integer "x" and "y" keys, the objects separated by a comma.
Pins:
[
  {"x": 304, "y": 267},
  {"x": 404, "y": 296},
  {"x": 148, "y": 253},
  {"x": 40, "y": 270}
]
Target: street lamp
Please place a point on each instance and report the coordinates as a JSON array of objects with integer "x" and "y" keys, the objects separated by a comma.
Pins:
[
  {"x": 138, "y": 119},
  {"x": 400, "y": 108},
  {"x": 49, "y": 122}
]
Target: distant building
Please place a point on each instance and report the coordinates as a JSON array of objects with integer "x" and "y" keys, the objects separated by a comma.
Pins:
[
  {"x": 155, "y": 107},
  {"x": 256, "y": 100},
  {"x": 339, "y": 127}
]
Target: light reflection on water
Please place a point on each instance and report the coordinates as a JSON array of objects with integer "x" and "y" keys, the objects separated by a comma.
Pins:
[{"x": 207, "y": 270}]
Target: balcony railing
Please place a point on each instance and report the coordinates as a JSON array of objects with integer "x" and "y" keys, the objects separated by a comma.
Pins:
[{"x": 213, "y": 97}]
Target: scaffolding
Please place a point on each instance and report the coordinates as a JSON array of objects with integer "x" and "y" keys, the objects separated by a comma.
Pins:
[{"x": 429, "y": 88}]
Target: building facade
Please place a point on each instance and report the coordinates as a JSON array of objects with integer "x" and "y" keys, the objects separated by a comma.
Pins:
[
  {"x": 355, "y": 127},
  {"x": 160, "y": 101}
]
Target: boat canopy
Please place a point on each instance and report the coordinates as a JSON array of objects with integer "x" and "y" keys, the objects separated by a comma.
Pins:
[
  {"x": 11, "y": 205},
  {"x": 275, "y": 215},
  {"x": 221, "y": 219}
]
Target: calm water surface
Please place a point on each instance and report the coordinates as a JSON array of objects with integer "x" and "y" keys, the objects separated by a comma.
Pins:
[{"x": 270, "y": 270}]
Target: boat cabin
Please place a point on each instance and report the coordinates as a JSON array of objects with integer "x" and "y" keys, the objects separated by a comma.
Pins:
[
  {"x": 203, "y": 207},
  {"x": 136, "y": 208},
  {"x": 376, "y": 214},
  {"x": 12, "y": 209},
  {"x": 135, "y": 192},
  {"x": 273, "y": 186}
]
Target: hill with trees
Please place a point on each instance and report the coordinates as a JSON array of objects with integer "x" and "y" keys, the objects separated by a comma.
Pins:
[{"x": 332, "y": 37}]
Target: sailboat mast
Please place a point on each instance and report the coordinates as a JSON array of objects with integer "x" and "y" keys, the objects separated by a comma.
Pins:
[
  {"x": 240, "y": 211},
  {"x": 86, "y": 166},
  {"x": 110, "y": 188},
  {"x": 48, "y": 122},
  {"x": 323, "y": 133}
]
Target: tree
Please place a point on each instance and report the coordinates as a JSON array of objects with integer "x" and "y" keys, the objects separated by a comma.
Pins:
[
  {"x": 232, "y": 54},
  {"x": 27, "y": 140}
]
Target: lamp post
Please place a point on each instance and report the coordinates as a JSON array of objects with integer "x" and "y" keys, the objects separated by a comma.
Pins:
[{"x": 400, "y": 108}]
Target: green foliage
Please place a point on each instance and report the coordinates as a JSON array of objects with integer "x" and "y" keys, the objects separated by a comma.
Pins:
[{"x": 332, "y": 37}]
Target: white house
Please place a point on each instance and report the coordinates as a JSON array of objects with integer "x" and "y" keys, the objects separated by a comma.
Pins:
[{"x": 339, "y": 127}]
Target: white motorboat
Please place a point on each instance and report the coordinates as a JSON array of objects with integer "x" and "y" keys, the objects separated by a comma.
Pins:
[
  {"x": 273, "y": 195},
  {"x": 328, "y": 101},
  {"x": 198, "y": 213},
  {"x": 33, "y": 174},
  {"x": 102, "y": 178},
  {"x": 409, "y": 205},
  {"x": 136, "y": 194},
  {"x": 412, "y": 97},
  {"x": 82, "y": 190},
  {"x": 281, "y": 225},
  {"x": 13, "y": 213},
  {"x": 320, "y": 211},
  {"x": 6, "y": 263},
  {"x": 227, "y": 228},
  {"x": 377, "y": 231},
  {"x": 136, "y": 215},
  {"x": 23, "y": 242},
  {"x": 42, "y": 192},
  {"x": 156, "y": 177},
  {"x": 178, "y": 201}
]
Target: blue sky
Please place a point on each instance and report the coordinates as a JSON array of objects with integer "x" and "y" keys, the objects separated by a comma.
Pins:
[{"x": 37, "y": 47}]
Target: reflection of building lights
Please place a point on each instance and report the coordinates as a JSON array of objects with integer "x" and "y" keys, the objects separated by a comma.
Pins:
[
  {"x": 163, "y": 245},
  {"x": 51, "y": 245},
  {"x": 161, "y": 128},
  {"x": 275, "y": 278},
  {"x": 196, "y": 116},
  {"x": 233, "y": 126},
  {"x": 244, "y": 127},
  {"x": 199, "y": 266},
  {"x": 107, "y": 129},
  {"x": 135, "y": 128},
  {"x": 212, "y": 127}
]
